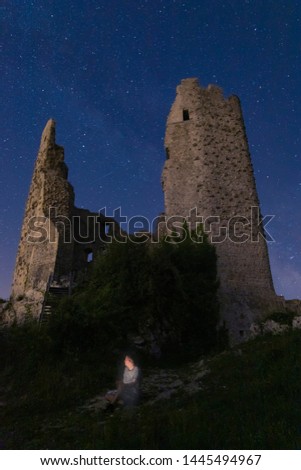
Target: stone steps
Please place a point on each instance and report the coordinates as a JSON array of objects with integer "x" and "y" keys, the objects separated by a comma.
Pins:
[{"x": 54, "y": 294}]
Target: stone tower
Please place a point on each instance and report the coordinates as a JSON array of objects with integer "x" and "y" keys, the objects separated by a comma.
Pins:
[
  {"x": 57, "y": 238},
  {"x": 208, "y": 168},
  {"x": 37, "y": 254}
]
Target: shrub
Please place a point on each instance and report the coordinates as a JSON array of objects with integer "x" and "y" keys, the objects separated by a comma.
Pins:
[{"x": 164, "y": 290}]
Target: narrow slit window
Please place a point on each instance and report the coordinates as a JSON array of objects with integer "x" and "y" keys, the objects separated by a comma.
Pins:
[
  {"x": 167, "y": 153},
  {"x": 185, "y": 115}
]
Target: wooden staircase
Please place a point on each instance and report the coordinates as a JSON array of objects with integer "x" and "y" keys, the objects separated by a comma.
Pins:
[{"x": 52, "y": 297}]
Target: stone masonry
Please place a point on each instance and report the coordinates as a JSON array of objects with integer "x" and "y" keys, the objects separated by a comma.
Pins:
[
  {"x": 208, "y": 168},
  {"x": 207, "y": 179},
  {"x": 57, "y": 239}
]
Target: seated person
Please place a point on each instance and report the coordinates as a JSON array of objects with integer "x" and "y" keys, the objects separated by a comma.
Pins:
[{"x": 128, "y": 388}]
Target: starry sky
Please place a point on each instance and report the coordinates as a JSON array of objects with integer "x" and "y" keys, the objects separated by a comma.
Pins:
[{"x": 106, "y": 71}]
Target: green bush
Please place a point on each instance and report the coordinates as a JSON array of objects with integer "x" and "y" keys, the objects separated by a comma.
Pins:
[{"x": 167, "y": 290}]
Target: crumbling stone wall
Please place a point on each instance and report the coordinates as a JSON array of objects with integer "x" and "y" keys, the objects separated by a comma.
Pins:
[
  {"x": 37, "y": 255},
  {"x": 56, "y": 238},
  {"x": 208, "y": 167}
]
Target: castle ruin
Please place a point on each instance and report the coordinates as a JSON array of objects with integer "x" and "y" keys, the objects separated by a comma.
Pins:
[
  {"x": 58, "y": 240},
  {"x": 208, "y": 169},
  {"x": 207, "y": 172}
]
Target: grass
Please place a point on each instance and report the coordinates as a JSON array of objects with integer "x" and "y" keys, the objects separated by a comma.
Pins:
[{"x": 250, "y": 400}]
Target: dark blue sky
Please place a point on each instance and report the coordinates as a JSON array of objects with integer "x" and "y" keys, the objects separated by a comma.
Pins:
[{"x": 106, "y": 71}]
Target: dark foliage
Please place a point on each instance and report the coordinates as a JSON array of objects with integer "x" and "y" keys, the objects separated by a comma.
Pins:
[{"x": 165, "y": 291}]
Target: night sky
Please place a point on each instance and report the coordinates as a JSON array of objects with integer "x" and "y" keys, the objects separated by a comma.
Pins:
[{"x": 106, "y": 71}]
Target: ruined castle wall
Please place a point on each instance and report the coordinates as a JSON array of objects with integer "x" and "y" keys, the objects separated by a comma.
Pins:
[
  {"x": 89, "y": 238},
  {"x": 58, "y": 205},
  {"x": 29, "y": 272},
  {"x": 40, "y": 249},
  {"x": 57, "y": 238},
  {"x": 208, "y": 166}
]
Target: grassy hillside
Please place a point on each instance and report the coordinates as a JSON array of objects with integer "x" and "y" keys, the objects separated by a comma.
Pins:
[
  {"x": 248, "y": 399},
  {"x": 53, "y": 378}
]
